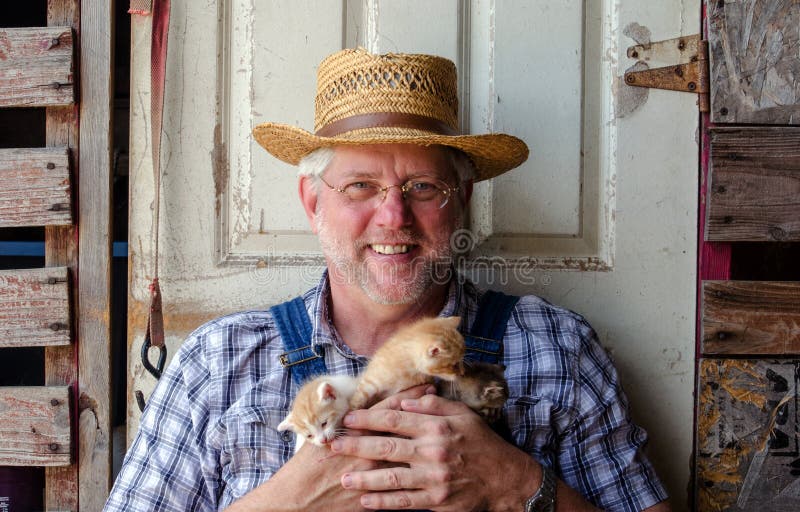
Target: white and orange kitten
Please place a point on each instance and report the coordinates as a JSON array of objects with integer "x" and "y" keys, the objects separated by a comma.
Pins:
[
  {"x": 318, "y": 409},
  {"x": 416, "y": 354}
]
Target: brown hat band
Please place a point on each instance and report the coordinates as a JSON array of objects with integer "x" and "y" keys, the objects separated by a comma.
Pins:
[{"x": 385, "y": 120}]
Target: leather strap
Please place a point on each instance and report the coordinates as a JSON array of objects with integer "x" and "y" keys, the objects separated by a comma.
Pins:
[{"x": 385, "y": 120}]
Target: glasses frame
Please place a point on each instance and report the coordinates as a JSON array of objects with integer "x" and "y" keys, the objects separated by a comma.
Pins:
[{"x": 404, "y": 188}]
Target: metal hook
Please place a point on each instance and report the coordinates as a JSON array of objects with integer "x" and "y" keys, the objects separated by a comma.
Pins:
[{"x": 156, "y": 370}]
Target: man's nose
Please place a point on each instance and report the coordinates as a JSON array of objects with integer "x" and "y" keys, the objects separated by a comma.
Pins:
[{"x": 393, "y": 211}]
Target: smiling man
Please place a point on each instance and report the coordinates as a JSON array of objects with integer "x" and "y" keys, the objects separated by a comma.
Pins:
[{"x": 385, "y": 181}]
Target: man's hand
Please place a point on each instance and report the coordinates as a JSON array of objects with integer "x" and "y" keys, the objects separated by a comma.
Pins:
[
  {"x": 310, "y": 480},
  {"x": 449, "y": 459}
]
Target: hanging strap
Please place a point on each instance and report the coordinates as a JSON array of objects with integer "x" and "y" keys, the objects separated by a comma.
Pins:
[
  {"x": 154, "y": 333},
  {"x": 484, "y": 342},
  {"x": 294, "y": 326}
]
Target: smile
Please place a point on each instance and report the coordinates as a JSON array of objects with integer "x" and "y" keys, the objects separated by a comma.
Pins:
[{"x": 391, "y": 249}]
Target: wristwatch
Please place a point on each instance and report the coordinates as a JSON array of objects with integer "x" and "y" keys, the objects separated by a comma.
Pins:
[{"x": 545, "y": 498}]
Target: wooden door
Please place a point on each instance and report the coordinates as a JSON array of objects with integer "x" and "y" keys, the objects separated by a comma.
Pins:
[{"x": 601, "y": 219}]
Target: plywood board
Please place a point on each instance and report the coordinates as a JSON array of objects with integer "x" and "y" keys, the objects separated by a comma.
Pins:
[
  {"x": 751, "y": 317},
  {"x": 34, "y": 307},
  {"x": 754, "y": 189},
  {"x": 35, "y": 430},
  {"x": 36, "y": 67},
  {"x": 755, "y": 72},
  {"x": 35, "y": 187},
  {"x": 748, "y": 458}
]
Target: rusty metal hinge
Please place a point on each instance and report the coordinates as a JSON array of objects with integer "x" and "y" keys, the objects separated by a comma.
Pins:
[{"x": 688, "y": 74}]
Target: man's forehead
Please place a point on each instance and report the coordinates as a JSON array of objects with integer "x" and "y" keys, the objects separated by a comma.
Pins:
[{"x": 387, "y": 157}]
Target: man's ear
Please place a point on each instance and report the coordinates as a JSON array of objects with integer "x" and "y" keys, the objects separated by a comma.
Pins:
[{"x": 309, "y": 196}]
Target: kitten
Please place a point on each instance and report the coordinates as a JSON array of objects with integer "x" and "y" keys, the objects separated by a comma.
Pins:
[
  {"x": 415, "y": 354},
  {"x": 483, "y": 388},
  {"x": 318, "y": 409}
]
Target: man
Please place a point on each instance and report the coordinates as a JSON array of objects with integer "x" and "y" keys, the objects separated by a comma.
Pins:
[{"x": 385, "y": 181}]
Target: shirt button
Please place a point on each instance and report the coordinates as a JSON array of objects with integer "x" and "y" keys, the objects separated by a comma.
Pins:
[{"x": 286, "y": 436}]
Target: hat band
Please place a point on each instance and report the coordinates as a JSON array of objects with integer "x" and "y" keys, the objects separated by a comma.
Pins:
[{"x": 385, "y": 120}]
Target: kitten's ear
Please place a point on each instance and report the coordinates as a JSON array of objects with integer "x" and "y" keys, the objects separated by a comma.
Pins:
[
  {"x": 286, "y": 424},
  {"x": 452, "y": 322},
  {"x": 326, "y": 392}
]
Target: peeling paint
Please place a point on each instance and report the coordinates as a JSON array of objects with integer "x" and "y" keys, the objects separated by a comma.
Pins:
[
  {"x": 638, "y": 33},
  {"x": 220, "y": 168}
]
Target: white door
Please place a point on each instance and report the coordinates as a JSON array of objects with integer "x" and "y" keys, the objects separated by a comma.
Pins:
[{"x": 601, "y": 219}]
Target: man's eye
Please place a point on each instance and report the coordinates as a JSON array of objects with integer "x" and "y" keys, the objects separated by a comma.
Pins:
[
  {"x": 422, "y": 186},
  {"x": 359, "y": 185}
]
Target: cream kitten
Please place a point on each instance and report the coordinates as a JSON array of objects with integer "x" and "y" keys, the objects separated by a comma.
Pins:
[
  {"x": 318, "y": 409},
  {"x": 415, "y": 354}
]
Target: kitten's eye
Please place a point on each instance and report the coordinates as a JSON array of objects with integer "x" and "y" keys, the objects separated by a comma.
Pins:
[
  {"x": 324, "y": 424},
  {"x": 309, "y": 436}
]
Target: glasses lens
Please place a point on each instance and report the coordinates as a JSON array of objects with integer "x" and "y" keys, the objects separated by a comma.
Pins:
[{"x": 361, "y": 190}]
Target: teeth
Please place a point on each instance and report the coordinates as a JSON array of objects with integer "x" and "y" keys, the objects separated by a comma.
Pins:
[{"x": 391, "y": 249}]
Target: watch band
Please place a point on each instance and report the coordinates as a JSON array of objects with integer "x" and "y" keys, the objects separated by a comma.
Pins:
[{"x": 545, "y": 498}]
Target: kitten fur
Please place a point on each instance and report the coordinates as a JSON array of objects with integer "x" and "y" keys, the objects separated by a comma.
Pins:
[
  {"x": 318, "y": 409},
  {"x": 415, "y": 354},
  {"x": 483, "y": 387}
]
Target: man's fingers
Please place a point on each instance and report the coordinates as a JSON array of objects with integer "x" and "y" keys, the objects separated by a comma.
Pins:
[
  {"x": 385, "y": 448},
  {"x": 403, "y": 499},
  {"x": 389, "y": 479},
  {"x": 393, "y": 402},
  {"x": 388, "y": 420},
  {"x": 433, "y": 405}
]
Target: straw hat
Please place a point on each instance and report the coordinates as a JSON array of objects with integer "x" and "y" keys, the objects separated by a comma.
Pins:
[{"x": 364, "y": 98}]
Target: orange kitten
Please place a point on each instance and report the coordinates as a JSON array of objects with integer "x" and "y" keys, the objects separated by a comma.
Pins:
[
  {"x": 415, "y": 354},
  {"x": 318, "y": 409}
]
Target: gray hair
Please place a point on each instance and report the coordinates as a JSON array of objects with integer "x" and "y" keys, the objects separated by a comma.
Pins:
[{"x": 315, "y": 163}]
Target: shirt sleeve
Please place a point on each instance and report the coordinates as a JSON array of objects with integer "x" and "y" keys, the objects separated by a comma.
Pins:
[
  {"x": 601, "y": 452},
  {"x": 167, "y": 468}
]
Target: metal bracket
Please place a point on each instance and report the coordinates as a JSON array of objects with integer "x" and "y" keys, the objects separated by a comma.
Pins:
[{"x": 691, "y": 76}]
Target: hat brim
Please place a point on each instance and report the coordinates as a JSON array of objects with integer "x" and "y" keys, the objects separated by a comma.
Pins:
[{"x": 492, "y": 154}]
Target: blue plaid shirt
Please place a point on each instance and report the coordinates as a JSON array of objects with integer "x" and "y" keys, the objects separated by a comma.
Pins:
[{"x": 208, "y": 434}]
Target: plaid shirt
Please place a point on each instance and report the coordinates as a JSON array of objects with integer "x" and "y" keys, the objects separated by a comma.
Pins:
[{"x": 208, "y": 434}]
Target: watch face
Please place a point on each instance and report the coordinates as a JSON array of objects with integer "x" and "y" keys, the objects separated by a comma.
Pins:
[{"x": 545, "y": 498}]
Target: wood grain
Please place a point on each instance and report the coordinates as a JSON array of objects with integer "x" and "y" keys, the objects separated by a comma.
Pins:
[
  {"x": 35, "y": 187},
  {"x": 61, "y": 249},
  {"x": 94, "y": 286},
  {"x": 36, "y": 67},
  {"x": 751, "y": 317},
  {"x": 34, "y": 307},
  {"x": 35, "y": 430},
  {"x": 747, "y": 448},
  {"x": 754, "y": 189},
  {"x": 755, "y": 69}
]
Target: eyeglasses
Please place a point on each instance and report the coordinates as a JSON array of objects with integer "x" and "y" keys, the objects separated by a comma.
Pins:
[{"x": 422, "y": 189}]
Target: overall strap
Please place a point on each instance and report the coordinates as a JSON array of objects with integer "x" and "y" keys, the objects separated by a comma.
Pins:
[
  {"x": 484, "y": 342},
  {"x": 295, "y": 329}
]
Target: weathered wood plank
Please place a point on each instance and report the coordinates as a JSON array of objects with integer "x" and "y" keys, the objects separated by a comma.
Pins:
[
  {"x": 747, "y": 445},
  {"x": 35, "y": 187},
  {"x": 754, "y": 189},
  {"x": 61, "y": 249},
  {"x": 36, "y": 67},
  {"x": 35, "y": 430},
  {"x": 755, "y": 72},
  {"x": 34, "y": 307},
  {"x": 94, "y": 285},
  {"x": 751, "y": 317}
]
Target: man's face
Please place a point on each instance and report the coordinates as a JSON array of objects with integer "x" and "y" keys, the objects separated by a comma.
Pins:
[{"x": 388, "y": 247}]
